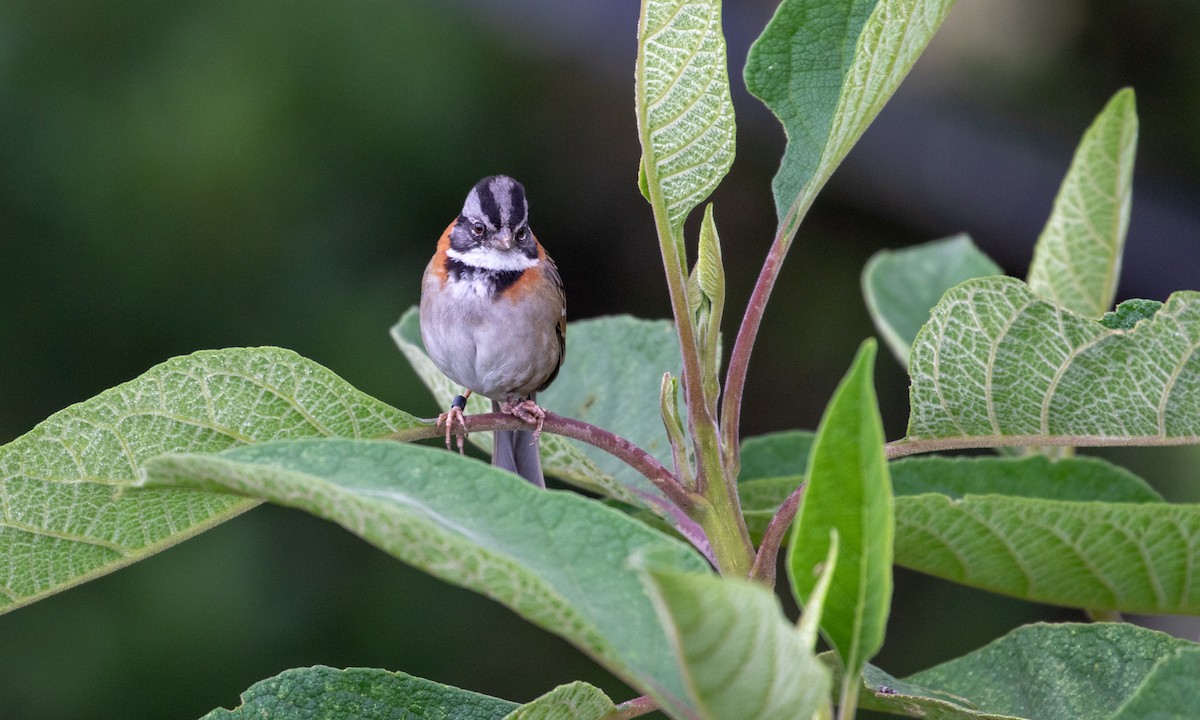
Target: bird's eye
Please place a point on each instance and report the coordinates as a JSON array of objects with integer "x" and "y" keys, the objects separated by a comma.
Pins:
[
  {"x": 523, "y": 233},
  {"x": 477, "y": 229}
]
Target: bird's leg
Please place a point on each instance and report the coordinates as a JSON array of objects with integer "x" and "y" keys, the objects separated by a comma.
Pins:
[
  {"x": 528, "y": 411},
  {"x": 453, "y": 415}
]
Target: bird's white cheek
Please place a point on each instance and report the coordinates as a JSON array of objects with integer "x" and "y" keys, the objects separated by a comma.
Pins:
[{"x": 492, "y": 259}]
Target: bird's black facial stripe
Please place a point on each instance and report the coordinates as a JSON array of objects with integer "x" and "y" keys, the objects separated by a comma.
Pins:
[
  {"x": 497, "y": 201},
  {"x": 488, "y": 206}
]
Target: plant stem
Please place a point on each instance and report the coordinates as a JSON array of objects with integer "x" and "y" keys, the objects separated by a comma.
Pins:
[
  {"x": 613, "y": 444},
  {"x": 848, "y": 703},
  {"x": 723, "y": 523},
  {"x": 636, "y": 707},
  {"x": 1104, "y": 615},
  {"x": 743, "y": 346},
  {"x": 772, "y": 540}
]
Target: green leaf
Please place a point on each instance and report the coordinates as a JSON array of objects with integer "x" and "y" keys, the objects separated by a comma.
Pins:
[
  {"x": 775, "y": 454},
  {"x": 998, "y": 364},
  {"x": 709, "y": 275},
  {"x": 1068, "y": 672},
  {"x": 1169, "y": 690},
  {"x": 555, "y": 558},
  {"x": 325, "y": 693},
  {"x": 826, "y": 70},
  {"x": 685, "y": 114},
  {"x": 1077, "y": 260},
  {"x": 1130, "y": 313},
  {"x": 577, "y": 701},
  {"x": 797, "y": 68},
  {"x": 64, "y": 520},
  {"x": 740, "y": 656},
  {"x": 848, "y": 491},
  {"x": 1081, "y": 479},
  {"x": 900, "y": 697},
  {"x": 902, "y": 286},
  {"x": 1132, "y": 557}
]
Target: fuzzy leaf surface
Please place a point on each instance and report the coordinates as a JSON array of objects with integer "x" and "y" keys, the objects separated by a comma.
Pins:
[
  {"x": 826, "y": 70},
  {"x": 577, "y": 701},
  {"x": 1133, "y": 557},
  {"x": 1077, "y": 260},
  {"x": 325, "y": 693},
  {"x": 848, "y": 491},
  {"x": 741, "y": 657},
  {"x": 685, "y": 113},
  {"x": 997, "y": 363},
  {"x": 555, "y": 558},
  {"x": 63, "y": 519},
  {"x": 1068, "y": 672},
  {"x": 902, "y": 286},
  {"x": 880, "y": 691},
  {"x": 1081, "y": 479}
]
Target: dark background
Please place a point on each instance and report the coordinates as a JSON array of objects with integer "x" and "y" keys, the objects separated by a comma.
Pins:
[{"x": 178, "y": 176}]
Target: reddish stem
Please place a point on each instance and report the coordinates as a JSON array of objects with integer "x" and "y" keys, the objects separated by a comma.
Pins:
[
  {"x": 636, "y": 707},
  {"x": 768, "y": 550}
]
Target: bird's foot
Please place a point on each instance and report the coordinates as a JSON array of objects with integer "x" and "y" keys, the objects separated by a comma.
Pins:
[
  {"x": 450, "y": 418},
  {"x": 527, "y": 411}
]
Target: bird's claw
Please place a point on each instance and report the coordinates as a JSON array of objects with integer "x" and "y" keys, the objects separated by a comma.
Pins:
[
  {"x": 527, "y": 411},
  {"x": 449, "y": 418}
]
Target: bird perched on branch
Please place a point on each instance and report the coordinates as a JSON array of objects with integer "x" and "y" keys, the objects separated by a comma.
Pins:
[{"x": 494, "y": 319}]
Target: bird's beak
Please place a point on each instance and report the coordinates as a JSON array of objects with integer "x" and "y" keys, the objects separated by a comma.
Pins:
[{"x": 503, "y": 239}]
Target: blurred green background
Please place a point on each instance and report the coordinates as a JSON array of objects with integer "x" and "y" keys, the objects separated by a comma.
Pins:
[{"x": 178, "y": 176}]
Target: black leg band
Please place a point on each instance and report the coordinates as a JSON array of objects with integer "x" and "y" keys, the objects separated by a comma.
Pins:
[{"x": 459, "y": 402}]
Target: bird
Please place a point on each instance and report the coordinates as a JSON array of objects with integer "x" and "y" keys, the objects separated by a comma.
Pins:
[{"x": 494, "y": 319}]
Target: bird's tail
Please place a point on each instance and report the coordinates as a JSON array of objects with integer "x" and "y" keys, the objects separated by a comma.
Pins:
[{"x": 515, "y": 450}]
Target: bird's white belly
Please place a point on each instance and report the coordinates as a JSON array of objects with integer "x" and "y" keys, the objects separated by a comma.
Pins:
[{"x": 485, "y": 346}]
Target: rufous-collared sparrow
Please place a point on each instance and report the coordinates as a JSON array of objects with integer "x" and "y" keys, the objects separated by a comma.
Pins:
[{"x": 494, "y": 318}]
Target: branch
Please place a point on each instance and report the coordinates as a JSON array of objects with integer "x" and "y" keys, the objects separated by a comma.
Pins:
[
  {"x": 613, "y": 444},
  {"x": 739, "y": 359},
  {"x": 768, "y": 549},
  {"x": 636, "y": 707}
]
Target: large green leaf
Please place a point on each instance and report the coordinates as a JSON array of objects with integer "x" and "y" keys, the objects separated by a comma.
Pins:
[
  {"x": 797, "y": 68},
  {"x": 611, "y": 378},
  {"x": 1132, "y": 557},
  {"x": 1077, "y": 261},
  {"x": 880, "y": 691},
  {"x": 848, "y": 491},
  {"x": 685, "y": 114},
  {"x": 1083, "y": 479},
  {"x": 577, "y": 701},
  {"x": 64, "y": 520},
  {"x": 741, "y": 657},
  {"x": 325, "y": 693},
  {"x": 999, "y": 365},
  {"x": 826, "y": 69},
  {"x": 902, "y": 286},
  {"x": 1071, "y": 672},
  {"x": 1169, "y": 690},
  {"x": 555, "y": 558},
  {"x": 1079, "y": 532}
]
